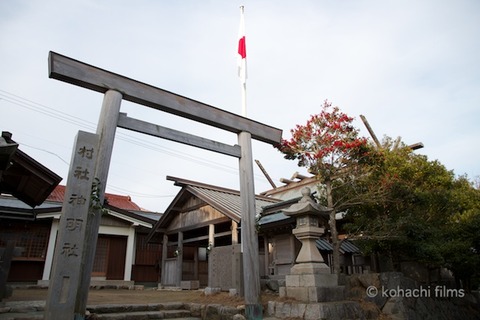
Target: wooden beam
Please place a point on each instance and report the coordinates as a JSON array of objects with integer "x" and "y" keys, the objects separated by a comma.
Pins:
[
  {"x": 87, "y": 76},
  {"x": 416, "y": 146},
  {"x": 265, "y": 173},
  {"x": 206, "y": 237},
  {"x": 177, "y": 136},
  {"x": 199, "y": 238},
  {"x": 370, "y": 130},
  {"x": 198, "y": 225}
]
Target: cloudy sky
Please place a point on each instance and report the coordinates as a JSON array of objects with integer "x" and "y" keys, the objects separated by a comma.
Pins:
[{"x": 411, "y": 67}]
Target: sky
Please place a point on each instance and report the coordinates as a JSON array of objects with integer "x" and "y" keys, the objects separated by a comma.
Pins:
[{"x": 412, "y": 68}]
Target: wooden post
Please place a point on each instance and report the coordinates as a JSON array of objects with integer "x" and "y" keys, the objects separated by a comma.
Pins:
[
  {"x": 129, "y": 255},
  {"x": 5, "y": 262},
  {"x": 164, "y": 258},
  {"x": 107, "y": 125},
  {"x": 195, "y": 264},
  {"x": 179, "y": 259},
  {"x": 251, "y": 274},
  {"x": 234, "y": 232},
  {"x": 211, "y": 235},
  {"x": 266, "y": 257},
  {"x": 52, "y": 239},
  {"x": 64, "y": 285}
]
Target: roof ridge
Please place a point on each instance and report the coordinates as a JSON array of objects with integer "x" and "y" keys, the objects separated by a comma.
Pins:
[
  {"x": 58, "y": 195},
  {"x": 185, "y": 182}
]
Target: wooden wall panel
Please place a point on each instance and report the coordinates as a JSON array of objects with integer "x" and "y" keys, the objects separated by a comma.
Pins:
[
  {"x": 191, "y": 219},
  {"x": 145, "y": 273},
  {"x": 170, "y": 272}
]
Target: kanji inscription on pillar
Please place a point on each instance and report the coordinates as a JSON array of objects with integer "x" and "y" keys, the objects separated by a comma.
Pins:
[{"x": 66, "y": 269}]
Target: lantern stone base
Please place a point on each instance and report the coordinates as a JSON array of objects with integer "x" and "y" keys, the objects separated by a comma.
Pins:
[
  {"x": 310, "y": 268},
  {"x": 312, "y": 282}
]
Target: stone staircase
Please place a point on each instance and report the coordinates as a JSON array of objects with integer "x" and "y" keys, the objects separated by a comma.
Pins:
[
  {"x": 172, "y": 310},
  {"x": 34, "y": 310}
]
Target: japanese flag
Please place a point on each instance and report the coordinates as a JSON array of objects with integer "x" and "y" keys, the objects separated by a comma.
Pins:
[{"x": 242, "y": 50}]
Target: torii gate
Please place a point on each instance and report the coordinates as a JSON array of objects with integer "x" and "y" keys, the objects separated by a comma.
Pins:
[{"x": 70, "y": 279}]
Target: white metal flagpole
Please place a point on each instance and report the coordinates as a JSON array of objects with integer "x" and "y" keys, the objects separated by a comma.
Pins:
[
  {"x": 249, "y": 240},
  {"x": 242, "y": 61}
]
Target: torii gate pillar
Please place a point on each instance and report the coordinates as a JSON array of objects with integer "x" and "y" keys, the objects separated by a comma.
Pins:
[
  {"x": 80, "y": 221},
  {"x": 251, "y": 273},
  {"x": 106, "y": 128}
]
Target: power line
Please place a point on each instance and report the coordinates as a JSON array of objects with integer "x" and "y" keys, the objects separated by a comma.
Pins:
[
  {"x": 37, "y": 107},
  {"x": 40, "y": 108},
  {"x": 51, "y": 112},
  {"x": 52, "y": 153},
  {"x": 140, "y": 195}
]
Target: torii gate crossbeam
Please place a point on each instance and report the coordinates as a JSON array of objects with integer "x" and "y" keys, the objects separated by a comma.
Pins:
[{"x": 84, "y": 75}]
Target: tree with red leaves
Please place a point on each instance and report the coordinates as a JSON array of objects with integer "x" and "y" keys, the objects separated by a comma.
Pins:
[{"x": 331, "y": 149}]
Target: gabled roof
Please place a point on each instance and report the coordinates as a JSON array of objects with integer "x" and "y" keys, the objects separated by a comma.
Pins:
[
  {"x": 24, "y": 177},
  {"x": 226, "y": 201}
]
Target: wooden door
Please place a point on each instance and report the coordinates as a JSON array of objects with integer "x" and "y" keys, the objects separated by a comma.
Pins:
[
  {"x": 110, "y": 257},
  {"x": 117, "y": 252}
]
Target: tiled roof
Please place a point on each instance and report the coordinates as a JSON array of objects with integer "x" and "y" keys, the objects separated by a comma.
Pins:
[
  {"x": 13, "y": 208},
  {"x": 122, "y": 202},
  {"x": 345, "y": 247}
]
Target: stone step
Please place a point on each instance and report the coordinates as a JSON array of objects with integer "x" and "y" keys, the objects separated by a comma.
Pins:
[
  {"x": 119, "y": 308},
  {"x": 144, "y": 315},
  {"x": 31, "y": 310},
  {"x": 171, "y": 310},
  {"x": 37, "y": 315},
  {"x": 140, "y": 315}
]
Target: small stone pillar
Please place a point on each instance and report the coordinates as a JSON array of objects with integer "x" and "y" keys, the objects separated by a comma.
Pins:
[{"x": 310, "y": 279}]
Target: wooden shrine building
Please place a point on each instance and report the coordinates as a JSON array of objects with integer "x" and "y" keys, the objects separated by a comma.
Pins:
[{"x": 200, "y": 218}]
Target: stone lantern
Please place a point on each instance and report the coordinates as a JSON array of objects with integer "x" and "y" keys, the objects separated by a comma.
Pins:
[
  {"x": 310, "y": 279},
  {"x": 311, "y": 220}
]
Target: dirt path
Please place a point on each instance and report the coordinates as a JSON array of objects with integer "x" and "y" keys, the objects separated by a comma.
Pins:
[{"x": 110, "y": 296}]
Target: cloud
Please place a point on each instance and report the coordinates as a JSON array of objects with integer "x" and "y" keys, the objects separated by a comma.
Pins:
[{"x": 410, "y": 67}]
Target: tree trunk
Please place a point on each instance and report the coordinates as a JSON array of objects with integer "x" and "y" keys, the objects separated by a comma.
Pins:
[{"x": 333, "y": 229}]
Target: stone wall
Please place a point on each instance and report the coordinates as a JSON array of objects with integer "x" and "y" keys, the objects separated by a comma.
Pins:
[{"x": 400, "y": 297}]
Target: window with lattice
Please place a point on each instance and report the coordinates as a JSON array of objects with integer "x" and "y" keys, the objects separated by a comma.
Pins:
[
  {"x": 30, "y": 240},
  {"x": 100, "y": 263}
]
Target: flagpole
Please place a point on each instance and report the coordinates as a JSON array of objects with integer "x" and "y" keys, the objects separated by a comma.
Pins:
[
  {"x": 244, "y": 99},
  {"x": 249, "y": 242},
  {"x": 242, "y": 61}
]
